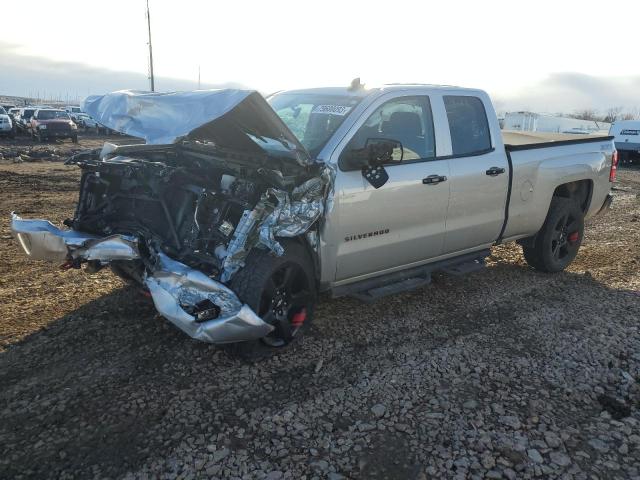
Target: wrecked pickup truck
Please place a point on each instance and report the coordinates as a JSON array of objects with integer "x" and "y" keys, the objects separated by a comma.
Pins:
[{"x": 238, "y": 211}]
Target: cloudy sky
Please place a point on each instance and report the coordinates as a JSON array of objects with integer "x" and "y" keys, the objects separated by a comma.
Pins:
[{"x": 542, "y": 55}]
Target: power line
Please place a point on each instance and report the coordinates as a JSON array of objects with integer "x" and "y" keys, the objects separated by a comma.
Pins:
[{"x": 153, "y": 89}]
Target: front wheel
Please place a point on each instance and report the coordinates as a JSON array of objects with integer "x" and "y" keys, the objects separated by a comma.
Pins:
[
  {"x": 558, "y": 241},
  {"x": 281, "y": 290}
]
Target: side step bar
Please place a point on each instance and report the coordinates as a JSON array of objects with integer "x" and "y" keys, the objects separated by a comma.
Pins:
[{"x": 373, "y": 289}]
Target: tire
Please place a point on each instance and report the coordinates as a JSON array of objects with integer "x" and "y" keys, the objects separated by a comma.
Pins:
[
  {"x": 558, "y": 241},
  {"x": 282, "y": 291}
]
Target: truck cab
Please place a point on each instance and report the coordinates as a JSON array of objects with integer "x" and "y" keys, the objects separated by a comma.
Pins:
[{"x": 447, "y": 189}]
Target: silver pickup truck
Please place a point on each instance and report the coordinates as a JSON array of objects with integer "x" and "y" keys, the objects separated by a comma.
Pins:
[{"x": 238, "y": 210}]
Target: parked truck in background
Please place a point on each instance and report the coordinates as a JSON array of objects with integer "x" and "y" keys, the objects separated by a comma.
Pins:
[
  {"x": 235, "y": 217},
  {"x": 50, "y": 124},
  {"x": 626, "y": 135}
]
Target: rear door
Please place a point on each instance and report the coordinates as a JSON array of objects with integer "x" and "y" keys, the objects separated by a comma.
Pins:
[
  {"x": 402, "y": 222},
  {"x": 479, "y": 174}
]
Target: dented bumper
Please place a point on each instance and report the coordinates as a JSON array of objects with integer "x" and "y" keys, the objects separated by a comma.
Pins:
[
  {"x": 178, "y": 291},
  {"x": 41, "y": 240}
]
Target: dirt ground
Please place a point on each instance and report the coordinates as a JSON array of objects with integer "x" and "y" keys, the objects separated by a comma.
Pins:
[{"x": 505, "y": 373}]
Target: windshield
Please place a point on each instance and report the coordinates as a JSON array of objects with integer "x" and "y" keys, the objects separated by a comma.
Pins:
[
  {"x": 52, "y": 114},
  {"x": 313, "y": 118},
  {"x": 28, "y": 113}
]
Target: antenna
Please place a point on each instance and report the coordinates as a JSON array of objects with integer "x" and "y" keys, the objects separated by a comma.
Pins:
[{"x": 153, "y": 88}]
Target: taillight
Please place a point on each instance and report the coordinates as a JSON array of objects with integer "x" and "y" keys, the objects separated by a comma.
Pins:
[{"x": 614, "y": 166}]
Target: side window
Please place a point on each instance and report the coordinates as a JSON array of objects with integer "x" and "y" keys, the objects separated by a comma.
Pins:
[
  {"x": 468, "y": 125},
  {"x": 407, "y": 120}
]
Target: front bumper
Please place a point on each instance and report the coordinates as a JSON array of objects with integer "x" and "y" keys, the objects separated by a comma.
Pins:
[
  {"x": 57, "y": 134},
  {"x": 176, "y": 289}
]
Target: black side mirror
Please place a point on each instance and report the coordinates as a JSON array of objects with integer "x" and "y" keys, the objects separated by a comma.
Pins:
[
  {"x": 376, "y": 152},
  {"x": 383, "y": 151}
]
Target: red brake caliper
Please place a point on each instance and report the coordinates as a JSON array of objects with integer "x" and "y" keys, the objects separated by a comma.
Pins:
[
  {"x": 573, "y": 237},
  {"x": 299, "y": 318}
]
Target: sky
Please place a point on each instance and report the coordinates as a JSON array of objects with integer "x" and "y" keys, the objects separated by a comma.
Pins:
[{"x": 560, "y": 55}]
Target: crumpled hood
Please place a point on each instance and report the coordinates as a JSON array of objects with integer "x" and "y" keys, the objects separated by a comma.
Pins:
[{"x": 240, "y": 120}]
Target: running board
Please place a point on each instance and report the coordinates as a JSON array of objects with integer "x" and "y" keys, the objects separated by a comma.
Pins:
[
  {"x": 370, "y": 296},
  {"x": 465, "y": 267},
  {"x": 373, "y": 289}
]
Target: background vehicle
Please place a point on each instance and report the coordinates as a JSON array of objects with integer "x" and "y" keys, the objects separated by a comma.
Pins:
[
  {"x": 626, "y": 135},
  {"x": 49, "y": 124},
  {"x": 6, "y": 125},
  {"x": 23, "y": 119},
  {"x": 85, "y": 121},
  {"x": 352, "y": 191},
  {"x": 13, "y": 114}
]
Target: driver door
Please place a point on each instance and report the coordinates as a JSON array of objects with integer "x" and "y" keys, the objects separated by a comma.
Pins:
[{"x": 402, "y": 222}]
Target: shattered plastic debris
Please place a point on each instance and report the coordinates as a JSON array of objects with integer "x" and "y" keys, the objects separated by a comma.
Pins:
[
  {"x": 290, "y": 216},
  {"x": 175, "y": 288}
]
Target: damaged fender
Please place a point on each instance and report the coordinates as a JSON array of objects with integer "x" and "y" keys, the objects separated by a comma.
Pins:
[
  {"x": 175, "y": 287},
  {"x": 288, "y": 216}
]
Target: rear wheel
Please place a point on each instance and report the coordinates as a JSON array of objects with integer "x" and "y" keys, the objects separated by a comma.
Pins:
[
  {"x": 281, "y": 290},
  {"x": 558, "y": 241}
]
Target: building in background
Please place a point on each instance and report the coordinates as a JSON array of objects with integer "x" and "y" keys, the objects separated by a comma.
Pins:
[{"x": 539, "y": 122}]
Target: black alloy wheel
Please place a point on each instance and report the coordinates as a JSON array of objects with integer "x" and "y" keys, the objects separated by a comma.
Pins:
[{"x": 285, "y": 302}]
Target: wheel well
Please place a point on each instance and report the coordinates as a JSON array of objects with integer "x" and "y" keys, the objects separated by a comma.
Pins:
[
  {"x": 313, "y": 255},
  {"x": 580, "y": 191}
]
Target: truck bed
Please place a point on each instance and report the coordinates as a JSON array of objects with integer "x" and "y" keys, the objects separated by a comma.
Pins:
[
  {"x": 512, "y": 137},
  {"x": 537, "y": 160}
]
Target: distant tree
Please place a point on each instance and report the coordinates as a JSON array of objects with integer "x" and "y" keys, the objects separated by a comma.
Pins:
[
  {"x": 586, "y": 114},
  {"x": 612, "y": 114},
  {"x": 632, "y": 114}
]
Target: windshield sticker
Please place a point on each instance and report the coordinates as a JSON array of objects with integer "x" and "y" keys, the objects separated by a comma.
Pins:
[{"x": 331, "y": 109}]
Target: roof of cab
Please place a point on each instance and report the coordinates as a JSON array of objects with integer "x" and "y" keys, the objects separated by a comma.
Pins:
[{"x": 363, "y": 92}]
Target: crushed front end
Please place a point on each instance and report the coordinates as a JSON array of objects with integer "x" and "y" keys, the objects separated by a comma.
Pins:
[{"x": 180, "y": 218}]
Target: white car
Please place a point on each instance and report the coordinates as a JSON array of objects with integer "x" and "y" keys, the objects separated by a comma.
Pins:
[
  {"x": 85, "y": 121},
  {"x": 6, "y": 125}
]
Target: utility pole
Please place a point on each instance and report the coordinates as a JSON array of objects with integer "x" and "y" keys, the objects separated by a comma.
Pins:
[
  {"x": 153, "y": 88},
  {"x": 198, "y": 77}
]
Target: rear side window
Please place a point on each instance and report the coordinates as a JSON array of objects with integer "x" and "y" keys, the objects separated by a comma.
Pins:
[{"x": 468, "y": 125}]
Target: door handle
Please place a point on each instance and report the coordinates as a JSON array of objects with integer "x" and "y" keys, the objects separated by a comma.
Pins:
[
  {"x": 433, "y": 179},
  {"x": 495, "y": 171}
]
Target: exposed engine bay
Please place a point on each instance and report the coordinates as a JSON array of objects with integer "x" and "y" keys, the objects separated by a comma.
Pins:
[{"x": 177, "y": 199}]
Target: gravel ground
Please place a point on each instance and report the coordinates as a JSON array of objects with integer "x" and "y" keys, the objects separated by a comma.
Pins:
[{"x": 505, "y": 373}]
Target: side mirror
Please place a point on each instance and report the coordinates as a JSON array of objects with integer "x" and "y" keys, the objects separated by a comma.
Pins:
[
  {"x": 383, "y": 151},
  {"x": 376, "y": 152}
]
